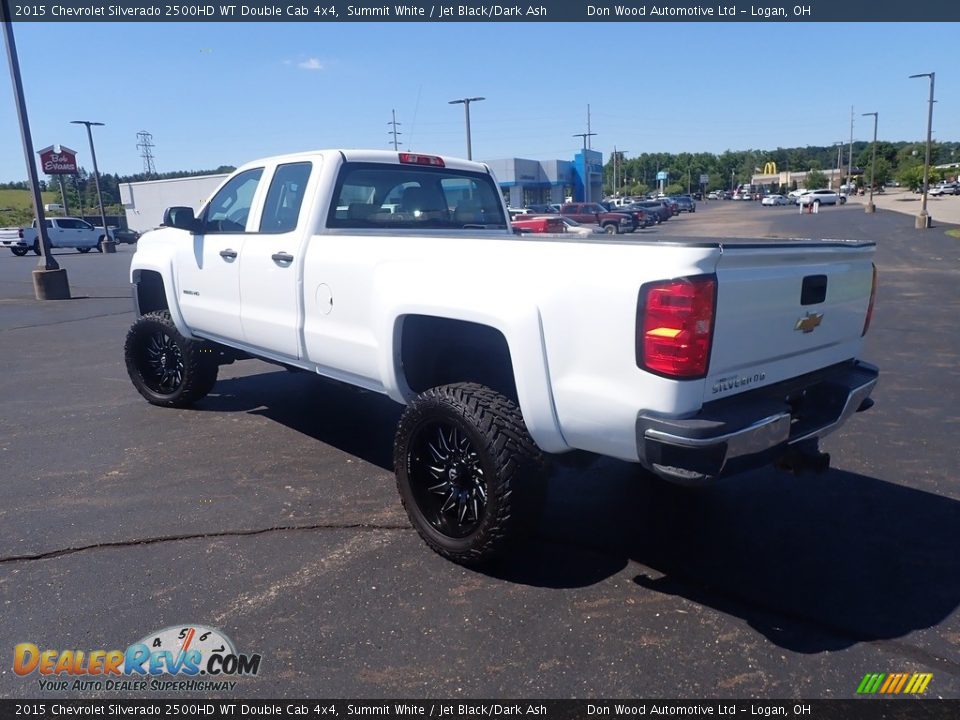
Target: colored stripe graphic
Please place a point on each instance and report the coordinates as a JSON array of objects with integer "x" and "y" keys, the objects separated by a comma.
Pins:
[
  {"x": 894, "y": 683},
  {"x": 870, "y": 683}
]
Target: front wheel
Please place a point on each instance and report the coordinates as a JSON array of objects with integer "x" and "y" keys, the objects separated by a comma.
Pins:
[
  {"x": 468, "y": 472},
  {"x": 19, "y": 251},
  {"x": 166, "y": 368},
  {"x": 611, "y": 229},
  {"x": 36, "y": 247},
  {"x": 84, "y": 250}
]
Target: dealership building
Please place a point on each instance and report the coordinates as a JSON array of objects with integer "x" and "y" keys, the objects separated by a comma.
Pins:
[{"x": 530, "y": 182}]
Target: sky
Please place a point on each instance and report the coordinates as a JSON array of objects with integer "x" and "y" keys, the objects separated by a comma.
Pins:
[{"x": 223, "y": 94}]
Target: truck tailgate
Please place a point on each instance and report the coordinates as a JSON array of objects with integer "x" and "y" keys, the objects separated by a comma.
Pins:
[{"x": 785, "y": 309}]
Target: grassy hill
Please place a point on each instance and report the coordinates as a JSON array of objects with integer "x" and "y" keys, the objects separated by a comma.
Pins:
[{"x": 16, "y": 206}]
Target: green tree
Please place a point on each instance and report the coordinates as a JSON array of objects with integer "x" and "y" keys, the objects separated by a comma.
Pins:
[
  {"x": 912, "y": 176},
  {"x": 675, "y": 189},
  {"x": 815, "y": 179}
]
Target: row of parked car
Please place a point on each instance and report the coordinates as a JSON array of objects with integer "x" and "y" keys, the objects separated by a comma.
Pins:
[
  {"x": 945, "y": 188},
  {"x": 623, "y": 215}
]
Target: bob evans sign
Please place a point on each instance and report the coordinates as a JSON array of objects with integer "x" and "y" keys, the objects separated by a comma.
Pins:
[{"x": 58, "y": 160}]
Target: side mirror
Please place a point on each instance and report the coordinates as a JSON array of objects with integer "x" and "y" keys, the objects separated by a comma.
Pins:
[{"x": 180, "y": 217}]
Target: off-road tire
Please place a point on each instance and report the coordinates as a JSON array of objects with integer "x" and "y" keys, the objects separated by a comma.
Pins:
[
  {"x": 513, "y": 471},
  {"x": 197, "y": 364}
]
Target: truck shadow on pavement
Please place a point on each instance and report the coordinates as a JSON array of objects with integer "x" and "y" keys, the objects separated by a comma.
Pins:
[
  {"x": 814, "y": 563},
  {"x": 355, "y": 421}
]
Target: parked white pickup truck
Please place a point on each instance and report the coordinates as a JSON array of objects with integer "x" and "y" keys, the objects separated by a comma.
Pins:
[
  {"x": 64, "y": 232},
  {"x": 397, "y": 273}
]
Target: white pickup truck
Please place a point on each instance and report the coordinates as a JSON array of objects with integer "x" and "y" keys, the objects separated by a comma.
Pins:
[
  {"x": 64, "y": 232},
  {"x": 397, "y": 273}
]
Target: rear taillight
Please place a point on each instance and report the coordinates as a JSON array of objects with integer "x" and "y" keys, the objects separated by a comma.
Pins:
[
  {"x": 873, "y": 296},
  {"x": 675, "y": 326}
]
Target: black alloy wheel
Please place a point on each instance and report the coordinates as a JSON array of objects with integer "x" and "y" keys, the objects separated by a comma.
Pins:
[
  {"x": 470, "y": 476},
  {"x": 165, "y": 367},
  {"x": 448, "y": 479}
]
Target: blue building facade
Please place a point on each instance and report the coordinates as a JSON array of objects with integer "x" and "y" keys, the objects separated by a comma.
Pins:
[{"x": 530, "y": 182}]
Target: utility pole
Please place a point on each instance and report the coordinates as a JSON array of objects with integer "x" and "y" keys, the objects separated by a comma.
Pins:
[
  {"x": 839, "y": 145},
  {"x": 850, "y": 155},
  {"x": 617, "y": 160},
  {"x": 394, "y": 131},
  {"x": 107, "y": 245},
  {"x": 873, "y": 163},
  {"x": 586, "y": 165},
  {"x": 923, "y": 219},
  {"x": 466, "y": 106},
  {"x": 49, "y": 279}
]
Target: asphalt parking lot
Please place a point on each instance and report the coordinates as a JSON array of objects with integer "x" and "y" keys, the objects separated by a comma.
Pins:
[{"x": 269, "y": 511}]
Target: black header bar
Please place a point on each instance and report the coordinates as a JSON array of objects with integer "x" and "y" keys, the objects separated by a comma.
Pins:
[
  {"x": 862, "y": 709},
  {"x": 770, "y": 11}
]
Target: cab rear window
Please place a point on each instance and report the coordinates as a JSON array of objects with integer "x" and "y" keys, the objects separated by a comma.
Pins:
[{"x": 377, "y": 195}]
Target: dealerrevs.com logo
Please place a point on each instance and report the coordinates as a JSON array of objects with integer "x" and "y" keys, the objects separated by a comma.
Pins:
[{"x": 197, "y": 657}]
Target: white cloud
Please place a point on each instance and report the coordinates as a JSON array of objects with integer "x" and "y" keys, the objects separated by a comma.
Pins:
[{"x": 310, "y": 64}]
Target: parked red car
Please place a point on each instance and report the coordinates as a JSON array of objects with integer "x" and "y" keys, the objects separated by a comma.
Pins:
[
  {"x": 539, "y": 224},
  {"x": 596, "y": 214}
]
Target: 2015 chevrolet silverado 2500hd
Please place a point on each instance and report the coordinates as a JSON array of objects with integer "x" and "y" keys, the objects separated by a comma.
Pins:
[{"x": 398, "y": 273}]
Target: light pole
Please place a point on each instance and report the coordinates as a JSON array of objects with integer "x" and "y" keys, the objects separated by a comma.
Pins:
[
  {"x": 839, "y": 145},
  {"x": 923, "y": 219},
  {"x": 873, "y": 163},
  {"x": 466, "y": 107},
  {"x": 106, "y": 245},
  {"x": 617, "y": 159},
  {"x": 49, "y": 279}
]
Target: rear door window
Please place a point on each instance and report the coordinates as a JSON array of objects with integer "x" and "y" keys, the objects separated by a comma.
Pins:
[{"x": 285, "y": 197}]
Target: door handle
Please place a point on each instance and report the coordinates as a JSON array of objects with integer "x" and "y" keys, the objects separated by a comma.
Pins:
[
  {"x": 228, "y": 254},
  {"x": 282, "y": 257}
]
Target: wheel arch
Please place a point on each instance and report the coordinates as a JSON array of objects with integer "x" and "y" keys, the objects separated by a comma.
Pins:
[
  {"x": 153, "y": 289},
  {"x": 430, "y": 348}
]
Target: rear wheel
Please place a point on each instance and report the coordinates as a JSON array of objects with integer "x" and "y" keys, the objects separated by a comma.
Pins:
[
  {"x": 84, "y": 250},
  {"x": 468, "y": 472},
  {"x": 19, "y": 251},
  {"x": 166, "y": 368}
]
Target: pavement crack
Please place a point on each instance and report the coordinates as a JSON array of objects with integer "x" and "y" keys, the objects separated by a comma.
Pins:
[
  {"x": 64, "y": 322},
  {"x": 50, "y": 554}
]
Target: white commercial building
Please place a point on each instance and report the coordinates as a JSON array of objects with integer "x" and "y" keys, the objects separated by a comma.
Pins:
[{"x": 144, "y": 202}]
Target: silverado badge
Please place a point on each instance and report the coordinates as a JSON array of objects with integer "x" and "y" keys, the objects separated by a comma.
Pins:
[{"x": 808, "y": 322}]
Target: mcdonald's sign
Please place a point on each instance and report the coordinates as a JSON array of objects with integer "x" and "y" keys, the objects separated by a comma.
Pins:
[{"x": 770, "y": 168}]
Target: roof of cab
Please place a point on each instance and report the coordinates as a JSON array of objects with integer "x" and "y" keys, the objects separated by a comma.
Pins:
[{"x": 373, "y": 156}]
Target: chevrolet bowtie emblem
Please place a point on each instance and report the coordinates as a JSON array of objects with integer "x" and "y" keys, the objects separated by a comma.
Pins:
[{"x": 808, "y": 322}]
